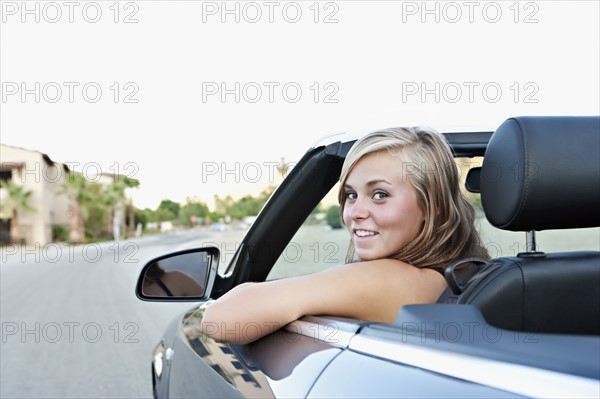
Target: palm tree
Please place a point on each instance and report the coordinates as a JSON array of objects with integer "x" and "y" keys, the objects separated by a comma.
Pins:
[
  {"x": 283, "y": 168},
  {"x": 18, "y": 200},
  {"x": 74, "y": 186},
  {"x": 131, "y": 183},
  {"x": 115, "y": 193}
]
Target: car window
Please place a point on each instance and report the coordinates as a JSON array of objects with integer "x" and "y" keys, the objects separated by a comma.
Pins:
[
  {"x": 510, "y": 243},
  {"x": 318, "y": 245}
]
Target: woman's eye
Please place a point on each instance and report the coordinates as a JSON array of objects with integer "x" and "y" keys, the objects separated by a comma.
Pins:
[
  {"x": 350, "y": 195},
  {"x": 379, "y": 195}
]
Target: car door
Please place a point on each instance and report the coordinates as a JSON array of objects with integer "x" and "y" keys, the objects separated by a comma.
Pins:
[{"x": 285, "y": 363}]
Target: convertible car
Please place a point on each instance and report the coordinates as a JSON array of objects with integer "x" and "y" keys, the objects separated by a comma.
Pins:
[{"x": 523, "y": 324}]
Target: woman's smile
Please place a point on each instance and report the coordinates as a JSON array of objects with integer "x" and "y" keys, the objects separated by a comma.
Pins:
[{"x": 381, "y": 210}]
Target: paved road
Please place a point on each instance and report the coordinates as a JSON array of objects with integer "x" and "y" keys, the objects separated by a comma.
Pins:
[{"x": 71, "y": 324}]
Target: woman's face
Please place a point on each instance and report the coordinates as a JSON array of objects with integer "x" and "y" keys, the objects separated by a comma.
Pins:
[{"x": 381, "y": 210}]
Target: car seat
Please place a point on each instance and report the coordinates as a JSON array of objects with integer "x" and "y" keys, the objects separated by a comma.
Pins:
[{"x": 540, "y": 173}]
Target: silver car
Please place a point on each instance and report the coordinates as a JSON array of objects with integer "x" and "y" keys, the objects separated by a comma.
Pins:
[{"x": 524, "y": 324}]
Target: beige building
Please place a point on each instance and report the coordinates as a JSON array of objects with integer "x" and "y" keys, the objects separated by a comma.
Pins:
[{"x": 37, "y": 173}]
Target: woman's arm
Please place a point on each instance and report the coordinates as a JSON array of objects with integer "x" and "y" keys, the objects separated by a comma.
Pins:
[{"x": 372, "y": 291}]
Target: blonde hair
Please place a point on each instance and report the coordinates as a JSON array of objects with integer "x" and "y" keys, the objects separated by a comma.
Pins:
[{"x": 448, "y": 232}]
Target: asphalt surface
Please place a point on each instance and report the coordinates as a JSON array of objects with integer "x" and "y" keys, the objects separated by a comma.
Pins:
[{"x": 72, "y": 326}]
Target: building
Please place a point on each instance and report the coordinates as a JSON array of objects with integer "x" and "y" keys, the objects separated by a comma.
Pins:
[{"x": 37, "y": 173}]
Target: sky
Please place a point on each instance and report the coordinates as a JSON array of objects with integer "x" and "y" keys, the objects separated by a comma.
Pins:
[{"x": 199, "y": 98}]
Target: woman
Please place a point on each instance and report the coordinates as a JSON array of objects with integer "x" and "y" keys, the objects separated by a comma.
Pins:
[{"x": 401, "y": 202}]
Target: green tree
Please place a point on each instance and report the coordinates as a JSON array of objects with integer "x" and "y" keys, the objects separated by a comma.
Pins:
[
  {"x": 95, "y": 203},
  {"x": 74, "y": 186},
  {"x": 223, "y": 205},
  {"x": 141, "y": 216},
  {"x": 333, "y": 217},
  {"x": 171, "y": 206},
  {"x": 163, "y": 215},
  {"x": 193, "y": 208},
  {"x": 17, "y": 202},
  {"x": 246, "y": 206},
  {"x": 150, "y": 215}
]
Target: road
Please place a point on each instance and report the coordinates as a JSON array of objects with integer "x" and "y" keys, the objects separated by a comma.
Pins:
[{"x": 72, "y": 326}]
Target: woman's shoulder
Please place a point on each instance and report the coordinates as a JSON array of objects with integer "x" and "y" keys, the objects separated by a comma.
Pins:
[
  {"x": 386, "y": 266},
  {"x": 373, "y": 290},
  {"x": 385, "y": 274}
]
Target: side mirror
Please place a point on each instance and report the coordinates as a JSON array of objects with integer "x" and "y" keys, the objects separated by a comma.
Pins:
[{"x": 179, "y": 276}]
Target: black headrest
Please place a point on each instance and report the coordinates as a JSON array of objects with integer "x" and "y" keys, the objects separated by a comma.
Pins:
[{"x": 543, "y": 173}]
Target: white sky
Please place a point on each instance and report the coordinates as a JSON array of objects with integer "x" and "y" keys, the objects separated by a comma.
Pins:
[{"x": 374, "y": 59}]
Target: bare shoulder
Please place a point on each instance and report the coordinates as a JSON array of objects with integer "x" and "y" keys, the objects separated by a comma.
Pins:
[
  {"x": 423, "y": 284},
  {"x": 413, "y": 282},
  {"x": 375, "y": 290}
]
